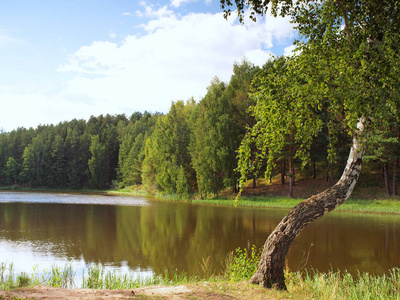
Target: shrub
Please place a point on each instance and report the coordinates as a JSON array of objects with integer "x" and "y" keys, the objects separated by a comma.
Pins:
[{"x": 241, "y": 264}]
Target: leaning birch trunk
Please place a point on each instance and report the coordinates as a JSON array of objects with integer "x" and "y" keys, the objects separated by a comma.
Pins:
[{"x": 270, "y": 269}]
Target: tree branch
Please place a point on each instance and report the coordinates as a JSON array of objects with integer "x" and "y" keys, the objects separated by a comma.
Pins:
[{"x": 346, "y": 20}]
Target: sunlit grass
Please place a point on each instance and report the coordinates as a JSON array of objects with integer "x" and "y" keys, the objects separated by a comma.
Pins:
[
  {"x": 342, "y": 285},
  {"x": 239, "y": 266},
  {"x": 391, "y": 206},
  {"x": 96, "y": 277},
  {"x": 56, "y": 277},
  {"x": 255, "y": 201},
  {"x": 315, "y": 285}
]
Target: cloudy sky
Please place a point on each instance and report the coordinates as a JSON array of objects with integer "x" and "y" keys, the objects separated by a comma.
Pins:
[{"x": 61, "y": 59}]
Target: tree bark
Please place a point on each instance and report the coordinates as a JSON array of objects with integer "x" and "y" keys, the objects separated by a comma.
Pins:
[{"x": 270, "y": 269}]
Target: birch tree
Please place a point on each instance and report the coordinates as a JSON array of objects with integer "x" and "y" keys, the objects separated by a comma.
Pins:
[{"x": 347, "y": 65}]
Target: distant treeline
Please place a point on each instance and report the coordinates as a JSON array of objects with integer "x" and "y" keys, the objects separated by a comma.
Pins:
[{"x": 191, "y": 149}]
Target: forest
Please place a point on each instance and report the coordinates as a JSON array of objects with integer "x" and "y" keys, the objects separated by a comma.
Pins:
[{"x": 193, "y": 149}]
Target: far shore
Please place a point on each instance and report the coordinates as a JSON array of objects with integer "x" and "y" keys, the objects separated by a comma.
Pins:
[
  {"x": 356, "y": 205},
  {"x": 388, "y": 205}
]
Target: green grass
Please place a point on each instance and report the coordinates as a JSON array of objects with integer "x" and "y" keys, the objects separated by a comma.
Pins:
[
  {"x": 239, "y": 266},
  {"x": 341, "y": 285},
  {"x": 98, "y": 278},
  {"x": 242, "y": 264},
  {"x": 256, "y": 201},
  {"x": 381, "y": 206},
  {"x": 56, "y": 277},
  {"x": 95, "y": 278}
]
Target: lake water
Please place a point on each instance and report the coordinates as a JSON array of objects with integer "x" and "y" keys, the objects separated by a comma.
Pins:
[{"x": 145, "y": 236}]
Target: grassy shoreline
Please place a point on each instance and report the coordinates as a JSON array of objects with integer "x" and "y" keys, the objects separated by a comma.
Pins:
[
  {"x": 376, "y": 206},
  {"x": 379, "y": 206},
  {"x": 233, "y": 282}
]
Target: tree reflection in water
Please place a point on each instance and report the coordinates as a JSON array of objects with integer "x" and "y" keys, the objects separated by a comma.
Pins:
[{"x": 176, "y": 236}]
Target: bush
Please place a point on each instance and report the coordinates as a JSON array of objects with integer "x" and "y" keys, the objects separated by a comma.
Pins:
[{"x": 241, "y": 264}]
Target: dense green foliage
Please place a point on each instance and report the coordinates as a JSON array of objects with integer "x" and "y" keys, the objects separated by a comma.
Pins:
[
  {"x": 242, "y": 264},
  {"x": 167, "y": 164},
  {"x": 133, "y": 139},
  {"x": 74, "y": 155},
  {"x": 344, "y": 72},
  {"x": 195, "y": 148}
]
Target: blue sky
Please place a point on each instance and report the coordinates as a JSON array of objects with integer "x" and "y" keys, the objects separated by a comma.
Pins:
[{"x": 72, "y": 59}]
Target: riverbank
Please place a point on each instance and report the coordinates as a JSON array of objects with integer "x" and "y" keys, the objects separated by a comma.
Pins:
[
  {"x": 363, "y": 200},
  {"x": 367, "y": 197},
  {"x": 331, "y": 285},
  {"x": 202, "y": 290}
]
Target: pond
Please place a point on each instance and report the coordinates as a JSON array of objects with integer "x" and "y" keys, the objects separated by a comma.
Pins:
[{"x": 147, "y": 237}]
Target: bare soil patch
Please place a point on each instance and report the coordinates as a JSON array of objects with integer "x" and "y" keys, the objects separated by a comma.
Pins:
[{"x": 215, "y": 291}]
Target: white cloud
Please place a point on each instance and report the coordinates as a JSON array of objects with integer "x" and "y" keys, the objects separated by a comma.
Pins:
[
  {"x": 152, "y": 13},
  {"x": 35, "y": 109},
  {"x": 175, "y": 59},
  {"x": 289, "y": 51},
  {"x": 177, "y": 3},
  {"x": 159, "y": 13}
]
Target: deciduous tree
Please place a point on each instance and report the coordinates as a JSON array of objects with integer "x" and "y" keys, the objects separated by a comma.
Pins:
[
  {"x": 167, "y": 156},
  {"x": 348, "y": 58}
]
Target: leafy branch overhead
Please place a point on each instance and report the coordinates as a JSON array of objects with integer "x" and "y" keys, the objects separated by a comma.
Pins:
[
  {"x": 346, "y": 66},
  {"x": 256, "y": 8}
]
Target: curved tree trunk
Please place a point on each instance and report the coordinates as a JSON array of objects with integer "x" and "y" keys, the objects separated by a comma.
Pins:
[{"x": 270, "y": 269}]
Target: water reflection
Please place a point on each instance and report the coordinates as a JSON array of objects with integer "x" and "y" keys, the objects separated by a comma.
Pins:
[
  {"x": 154, "y": 236},
  {"x": 353, "y": 242},
  {"x": 70, "y": 198}
]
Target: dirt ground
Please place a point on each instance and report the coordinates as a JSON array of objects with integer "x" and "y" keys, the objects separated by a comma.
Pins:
[
  {"x": 204, "y": 290},
  {"x": 45, "y": 292}
]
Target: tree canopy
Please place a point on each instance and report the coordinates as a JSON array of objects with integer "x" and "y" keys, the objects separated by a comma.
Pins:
[
  {"x": 344, "y": 74},
  {"x": 346, "y": 67}
]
